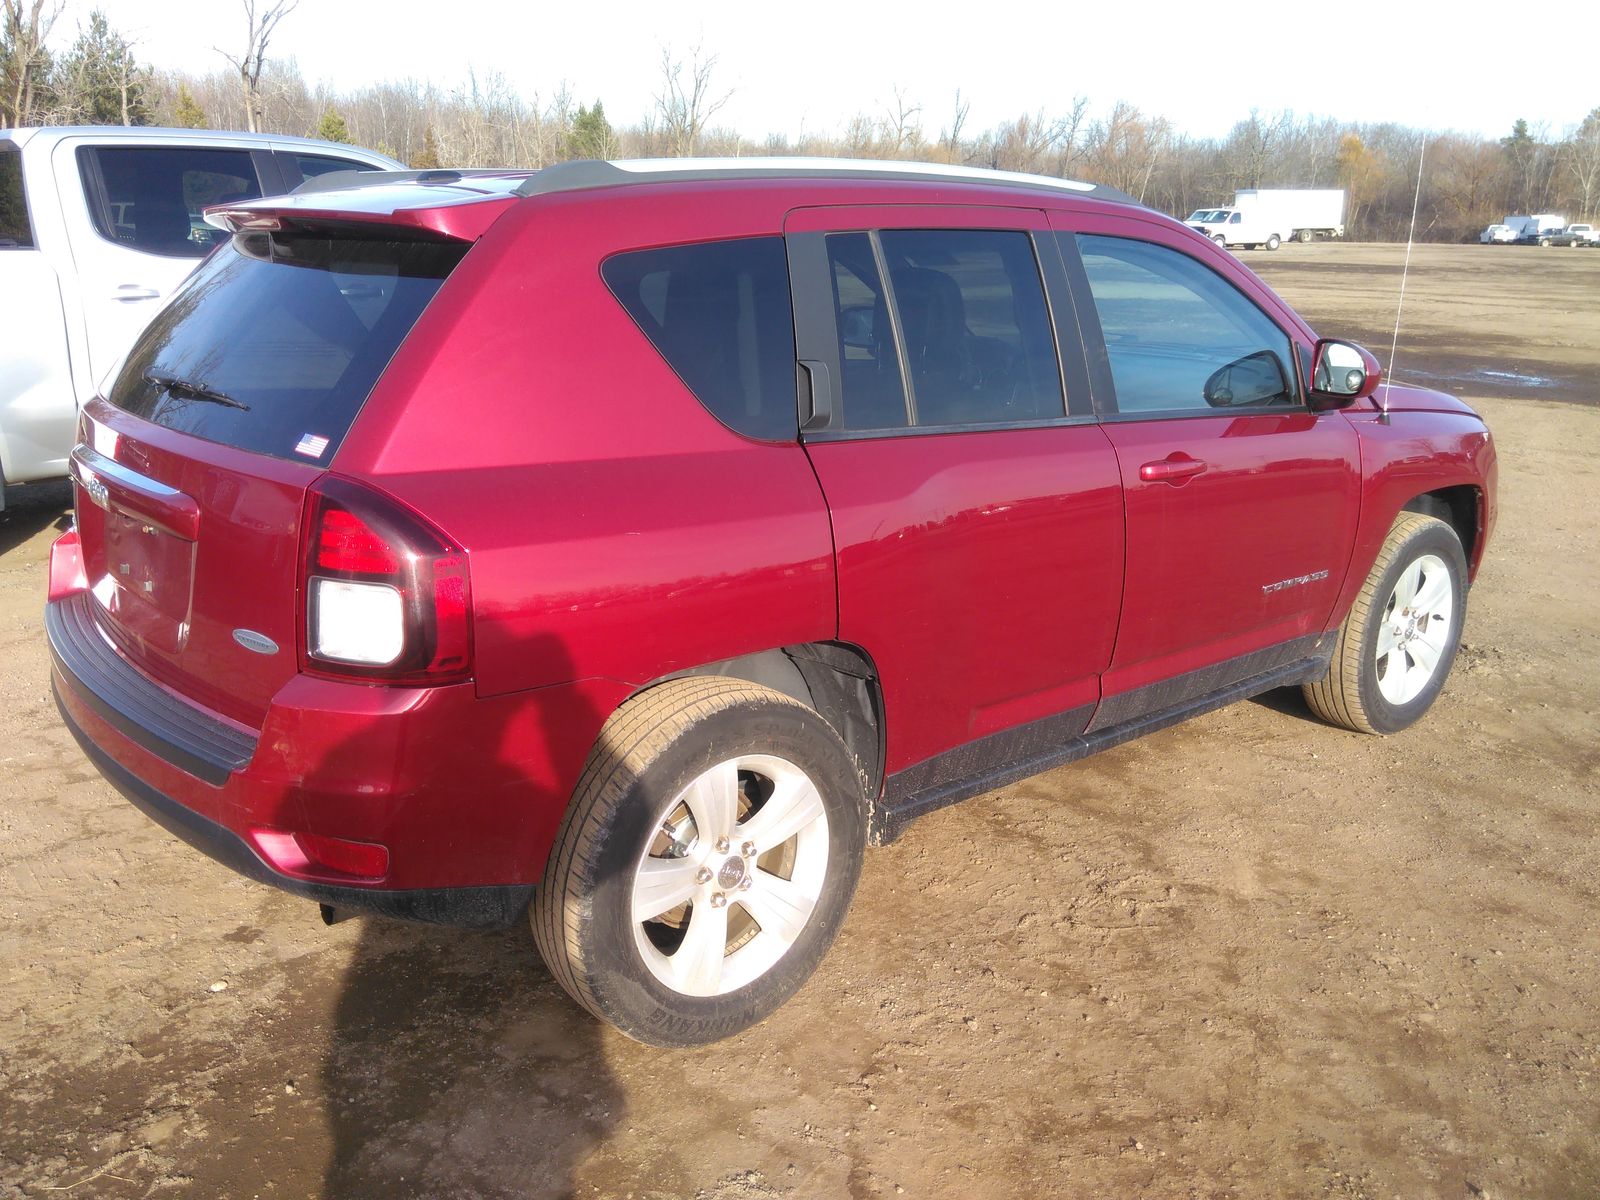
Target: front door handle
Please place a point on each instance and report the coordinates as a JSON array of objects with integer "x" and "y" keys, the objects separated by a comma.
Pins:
[
  {"x": 134, "y": 291},
  {"x": 1176, "y": 468}
]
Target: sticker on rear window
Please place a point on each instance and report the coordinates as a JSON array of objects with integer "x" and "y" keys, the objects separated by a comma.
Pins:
[{"x": 311, "y": 445}]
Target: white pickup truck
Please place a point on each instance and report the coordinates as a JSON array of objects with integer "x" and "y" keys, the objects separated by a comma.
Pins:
[{"x": 98, "y": 225}]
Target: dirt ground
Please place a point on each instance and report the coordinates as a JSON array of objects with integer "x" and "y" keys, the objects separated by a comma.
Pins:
[{"x": 1251, "y": 956}]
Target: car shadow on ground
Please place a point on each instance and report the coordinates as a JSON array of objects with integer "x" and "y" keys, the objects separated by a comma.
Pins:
[
  {"x": 1290, "y": 701},
  {"x": 458, "y": 1067},
  {"x": 33, "y": 508}
]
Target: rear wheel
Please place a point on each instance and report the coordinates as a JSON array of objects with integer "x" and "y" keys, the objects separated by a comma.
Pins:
[
  {"x": 1396, "y": 647},
  {"x": 705, "y": 864},
  {"x": 1305, "y": 235}
]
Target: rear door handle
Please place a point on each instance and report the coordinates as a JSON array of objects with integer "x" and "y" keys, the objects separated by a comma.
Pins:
[
  {"x": 1174, "y": 469},
  {"x": 134, "y": 291}
]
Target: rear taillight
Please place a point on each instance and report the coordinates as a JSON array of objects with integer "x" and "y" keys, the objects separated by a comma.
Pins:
[{"x": 386, "y": 595}]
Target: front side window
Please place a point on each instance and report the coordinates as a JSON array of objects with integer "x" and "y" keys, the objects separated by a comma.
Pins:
[
  {"x": 16, "y": 233},
  {"x": 720, "y": 314},
  {"x": 961, "y": 335},
  {"x": 153, "y": 198},
  {"x": 1179, "y": 336}
]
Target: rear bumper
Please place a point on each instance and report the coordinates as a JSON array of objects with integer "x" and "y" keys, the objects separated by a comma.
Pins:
[
  {"x": 465, "y": 794},
  {"x": 469, "y": 906}
]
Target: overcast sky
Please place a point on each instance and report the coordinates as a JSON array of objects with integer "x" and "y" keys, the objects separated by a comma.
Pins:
[{"x": 806, "y": 67}]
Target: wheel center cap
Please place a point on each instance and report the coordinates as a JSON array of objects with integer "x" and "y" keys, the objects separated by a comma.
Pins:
[{"x": 731, "y": 874}]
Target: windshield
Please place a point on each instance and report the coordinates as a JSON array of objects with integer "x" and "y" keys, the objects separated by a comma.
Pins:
[
  {"x": 1204, "y": 215},
  {"x": 290, "y": 330}
]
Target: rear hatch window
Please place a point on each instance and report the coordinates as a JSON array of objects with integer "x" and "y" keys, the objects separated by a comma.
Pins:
[
  {"x": 16, "y": 232},
  {"x": 274, "y": 343}
]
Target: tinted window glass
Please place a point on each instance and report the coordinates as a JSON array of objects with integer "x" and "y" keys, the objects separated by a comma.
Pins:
[
  {"x": 15, "y": 231},
  {"x": 719, "y": 313},
  {"x": 153, "y": 197},
  {"x": 296, "y": 328},
  {"x": 872, "y": 389},
  {"x": 311, "y": 165},
  {"x": 974, "y": 325},
  {"x": 1179, "y": 336}
]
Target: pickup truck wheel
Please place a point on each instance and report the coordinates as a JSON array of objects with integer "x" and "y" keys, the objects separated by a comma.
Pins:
[
  {"x": 706, "y": 862},
  {"x": 1396, "y": 647},
  {"x": 1273, "y": 243}
]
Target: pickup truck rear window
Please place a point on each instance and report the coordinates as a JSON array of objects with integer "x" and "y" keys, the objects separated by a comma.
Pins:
[
  {"x": 16, "y": 233},
  {"x": 273, "y": 344}
]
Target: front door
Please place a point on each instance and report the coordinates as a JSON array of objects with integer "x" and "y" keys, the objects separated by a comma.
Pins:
[
  {"x": 1241, "y": 502},
  {"x": 976, "y": 508}
]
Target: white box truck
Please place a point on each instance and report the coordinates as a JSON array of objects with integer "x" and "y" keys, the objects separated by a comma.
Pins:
[
  {"x": 1537, "y": 228},
  {"x": 1270, "y": 216}
]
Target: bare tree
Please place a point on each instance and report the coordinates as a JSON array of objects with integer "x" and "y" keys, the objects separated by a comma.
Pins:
[
  {"x": 902, "y": 125},
  {"x": 1581, "y": 154},
  {"x": 262, "y": 20},
  {"x": 685, "y": 106},
  {"x": 23, "y": 57},
  {"x": 951, "y": 138}
]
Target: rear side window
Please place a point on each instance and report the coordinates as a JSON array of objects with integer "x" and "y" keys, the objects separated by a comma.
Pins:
[
  {"x": 959, "y": 337},
  {"x": 309, "y": 166},
  {"x": 974, "y": 326},
  {"x": 151, "y": 198},
  {"x": 719, "y": 313},
  {"x": 273, "y": 344},
  {"x": 16, "y": 233}
]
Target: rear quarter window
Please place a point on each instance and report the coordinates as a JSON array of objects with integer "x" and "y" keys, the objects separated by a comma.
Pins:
[
  {"x": 291, "y": 330},
  {"x": 16, "y": 231},
  {"x": 719, "y": 313}
]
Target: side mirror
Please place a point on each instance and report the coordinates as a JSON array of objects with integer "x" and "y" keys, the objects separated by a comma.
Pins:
[
  {"x": 1341, "y": 374},
  {"x": 1255, "y": 379}
]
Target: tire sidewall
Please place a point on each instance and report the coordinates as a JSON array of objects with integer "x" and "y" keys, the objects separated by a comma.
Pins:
[
  {"x": 623, "y": 985},
  {"x": 1440, "y": 540}
]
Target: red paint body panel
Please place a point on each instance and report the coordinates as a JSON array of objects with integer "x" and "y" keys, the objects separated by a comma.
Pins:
[
  {"x": 172, "y": 604},
  {"x": 981, "y": 570},
  {"x": 1278, "y": 500}
]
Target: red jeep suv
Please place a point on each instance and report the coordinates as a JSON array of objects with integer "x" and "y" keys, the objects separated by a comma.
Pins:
[{"x": 628, "y": 545}]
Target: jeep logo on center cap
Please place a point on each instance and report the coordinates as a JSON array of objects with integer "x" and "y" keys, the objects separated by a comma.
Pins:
[{"x": 251, "y": 640}]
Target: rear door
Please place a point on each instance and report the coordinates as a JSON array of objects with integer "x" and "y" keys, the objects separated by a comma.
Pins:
[
  {"x": 1241, "y": 502},
  {"x": 134, "y": 222},
  {"x": 192, "y": 478},
  {"x": 976, "y": 508}
]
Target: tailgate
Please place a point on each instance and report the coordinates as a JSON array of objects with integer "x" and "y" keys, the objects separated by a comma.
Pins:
[{"x": 191, "y": 476}]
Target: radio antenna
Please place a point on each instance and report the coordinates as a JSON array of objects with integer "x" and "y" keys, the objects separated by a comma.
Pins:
[{"x": 1411, "y": 236}]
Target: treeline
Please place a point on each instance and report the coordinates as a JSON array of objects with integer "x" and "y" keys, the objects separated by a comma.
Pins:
[{"x": 1468, "y": 181}]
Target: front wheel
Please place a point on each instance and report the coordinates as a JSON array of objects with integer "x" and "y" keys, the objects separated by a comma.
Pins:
[
  {"x": 1396, "y": 647},
  {"x": 1273, "y": 243},
  {"x": 706, "y": 862},
  {"x": 1221, "y": 241}
]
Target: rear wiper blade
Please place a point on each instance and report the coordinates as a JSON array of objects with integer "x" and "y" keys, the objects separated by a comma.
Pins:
[{"x": 195, "y": 391}]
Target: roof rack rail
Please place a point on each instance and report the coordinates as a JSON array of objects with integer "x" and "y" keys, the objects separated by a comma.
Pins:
[{"x": 585, "y": 173}]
